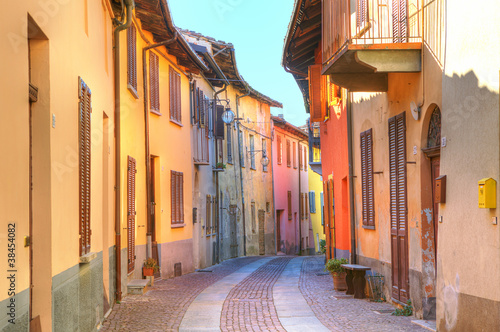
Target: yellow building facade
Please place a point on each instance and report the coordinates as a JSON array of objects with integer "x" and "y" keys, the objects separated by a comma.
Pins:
[{"x": 316, "y": 206}]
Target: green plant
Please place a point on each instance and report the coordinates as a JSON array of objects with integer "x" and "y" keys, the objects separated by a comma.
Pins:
[
  {"x": 406, "y": 311},
  {"x": 322, "y": 246},
  {"x": 334, "y": 265},
  {"x": 220, "y": 166},
  {"x": 151, "y": 263}
]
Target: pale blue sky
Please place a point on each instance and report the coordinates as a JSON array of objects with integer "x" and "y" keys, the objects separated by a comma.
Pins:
[{"x": 257, "y": 30}]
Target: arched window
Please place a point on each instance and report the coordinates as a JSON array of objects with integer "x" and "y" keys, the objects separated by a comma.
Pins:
[{"x": 434, "y": 134}]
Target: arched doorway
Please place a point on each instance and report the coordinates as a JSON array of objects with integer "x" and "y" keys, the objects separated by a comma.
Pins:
[{"x": 430, "y": 209}]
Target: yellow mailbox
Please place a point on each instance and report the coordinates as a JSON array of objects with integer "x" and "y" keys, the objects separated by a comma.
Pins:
[{"x": 487, "y": 193}]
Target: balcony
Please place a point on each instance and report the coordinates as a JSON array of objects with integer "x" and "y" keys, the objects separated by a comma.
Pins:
[
  {"x": 314, "y": 146},
  {"x": 362, "y": 45}
]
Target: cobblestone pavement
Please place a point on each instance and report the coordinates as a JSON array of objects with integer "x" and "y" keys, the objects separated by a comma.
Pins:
[
  {"x": 343, "y": 313},
  {"x": 164, "y": 305},
  {"x": 249, "y": 306}
]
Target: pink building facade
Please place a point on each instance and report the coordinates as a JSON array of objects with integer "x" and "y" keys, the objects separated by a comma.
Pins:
[{"x": 290, "y": 156}]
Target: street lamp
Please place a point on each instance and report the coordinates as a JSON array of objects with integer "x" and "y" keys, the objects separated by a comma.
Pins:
[
  {"x": 228, "y": 116},
  {"x": 265, "y": 160}
]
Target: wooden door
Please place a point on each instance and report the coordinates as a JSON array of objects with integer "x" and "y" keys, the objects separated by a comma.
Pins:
[
  {"x": 399, "y": 209},
  {"x": 435, "y": 163},
  {"x": 152, "y": 211},
  {"x": 232, "y": 229},
  {"x": 131, "y": 170},
  {"x": 279, "y": 214},
  {"x": 262, "y": 217}
]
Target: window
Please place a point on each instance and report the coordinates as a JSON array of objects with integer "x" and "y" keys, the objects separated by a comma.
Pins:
[
  {"x": 252, "y": 152},
  {"x": 268, "y": 207},
  {"x": 300, "y": 156},
  {"x": 208, "y": 223},
  {"x": 288, "y": 156},
  {"x": 242, "y": 156},
  {"x": 175, "y": 96},
  {"x": 312, "y": 202},
  {"x": 131, "y": 171},
  {"x": 361, "y": 13},
  {"x": 264, "y": 153},
  {"x": 278, "y": 145},
  {"x": 367, "y": 178},
  {"x": 85, "y": 110},
  {"x": 154, "y": 82},
  {"x": 177, "y": 197},
  {"x": 229, "y": 144},
  {"x": 132, "y": 61},
  {"x": 294, "y": 155},
  {"x": 289, "y": 205},
  {"x": 254, "y": 221}
]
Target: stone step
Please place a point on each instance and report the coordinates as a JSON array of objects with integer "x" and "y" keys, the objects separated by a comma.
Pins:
[{"x": 137, "y": 286}]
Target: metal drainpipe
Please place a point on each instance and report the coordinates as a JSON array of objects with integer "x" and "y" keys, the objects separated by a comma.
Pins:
[
  {"x": 149, "y": 204},
  {"x": 274, "y": 198},
  {"x": 300, "y": 205},
  {"x": 351, "y": 180},
  {"x": 241, "y": 173},
  {"x": 217, "y": 183},
  {"x": 130, "y": 7}
]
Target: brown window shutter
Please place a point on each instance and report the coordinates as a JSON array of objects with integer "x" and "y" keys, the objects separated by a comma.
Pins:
[
  {"x": 305, "y": 158},
  {"x": 399, "y": 21},
  {"x": 288, "y": 157},
  {"x": 173, "y": 210},
  {"x": 201, "y": 98},
  {"x": 361, "y": 13},
  {"x": 85, "y": 110},
  {"x": 208, "y": 223},
  {"x": 219, "y": 124},
  {"x": 229, "y": 147},
  {"x": 195, "y": 103},
  {"x": 317, "y": 101},
  {"x": 289, "y": 205},
  {"x": 131, "y": 170},
  {"x": 181, "y": 196},
  {"x": 306, "y": 205},
  {"x": 278, "y": 142},
  {"x": 132, "y": 57},
  {"x": 154, "y": 81}
]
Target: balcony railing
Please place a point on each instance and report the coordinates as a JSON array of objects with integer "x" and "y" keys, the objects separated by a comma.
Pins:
[
  {"x": 314, "y": 142},
  {"x": 371, "y": 22}
]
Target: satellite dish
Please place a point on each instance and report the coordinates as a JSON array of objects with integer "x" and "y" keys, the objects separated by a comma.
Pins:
[{"x": 415, "y": 111}]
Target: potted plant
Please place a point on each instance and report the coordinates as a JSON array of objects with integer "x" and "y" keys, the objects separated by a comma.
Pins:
[
  {"x": 150, "y": 267},
  {"x": 220, "y": 166},
  {"x": 334, "y": 266}
]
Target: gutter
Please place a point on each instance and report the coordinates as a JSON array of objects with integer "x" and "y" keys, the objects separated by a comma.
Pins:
[
  {"x": 351, "y": 179},
  {"x": 149, "y": 205},
  {"x": 116, "y": 34},
  {"x": 300, "y": 192}
]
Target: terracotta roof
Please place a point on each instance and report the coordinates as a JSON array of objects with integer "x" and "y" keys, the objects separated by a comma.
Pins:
[
  {"x": 283, "y": 124},
  {"x": 224, "y": 56}
]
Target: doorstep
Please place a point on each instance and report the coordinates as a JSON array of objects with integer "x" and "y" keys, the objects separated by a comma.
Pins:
[
  {"x": 426, "y": 324},
  {"x": 137, "y": 286}
]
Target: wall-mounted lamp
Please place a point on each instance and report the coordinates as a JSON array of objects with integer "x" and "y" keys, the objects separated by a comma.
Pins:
[{"x": 265, "y": 160}]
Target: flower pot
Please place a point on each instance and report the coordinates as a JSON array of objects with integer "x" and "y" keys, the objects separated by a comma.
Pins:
[
  {"x": 339, "y": 283},
  {"x": 148, "y": 272}
]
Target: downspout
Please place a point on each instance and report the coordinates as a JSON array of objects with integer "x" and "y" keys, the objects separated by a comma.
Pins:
[
  {"x": 274, "y": 198},
  {"x": 149, "y": 205},
  {"x": 116, "y": 34},
  {"x": 241, "y": 172},
  {"x": 219, "y": 214},
  {"x": 351, "y": 179},
  {"x": 300, "y": 193}
]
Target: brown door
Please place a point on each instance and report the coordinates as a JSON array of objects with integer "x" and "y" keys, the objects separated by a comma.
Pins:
[
  {"x": 399, "y": 210},
  {"x": 262, "y": 247},
  {"x": 152, "y": 211},
  {"x": 435, "y": 162},
  {"x": 279, "y": 214},
  {"x": 131, "y": 170},
  {"x": 331, "y": 213}
]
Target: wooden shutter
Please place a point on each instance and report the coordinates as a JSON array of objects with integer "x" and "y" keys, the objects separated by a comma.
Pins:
[
  {"x": 317, "y": 102},
  {"x": 132, "y": 57},
  {"x": 366, "y": 143},
  {"x": 229, "y": 140},
  {"x": 173, "y": 205},
  {"x": 208, "y": 223},
  {"x": 289, "y": 205},
  {"x": 84, "y": 133},
  {"x": 278, "y": 142},
  {"x": 219, "y": 124},
  {"x": 201, "y": 101},
  {"x": 177, "y": 197},
  {"x": 131, "y": 170},
  {"x": 288, "y": 157},
  {"x": 194, "y": 97},
  {"x": 154, "y": 82},
  {"x": 361, "y": 13},
  {"x": 398, "y": 210},
  {"x": 305, "y": 158},
  {"x": 399, "y": 21},
  {"x": 306, "y": 205},
  {"x": 175, "y": 95}
]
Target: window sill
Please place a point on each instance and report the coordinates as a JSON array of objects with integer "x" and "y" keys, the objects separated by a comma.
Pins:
[
  {"x": 86, "y": 259},
  {"x": 176, "y": 122},
  {"x": 369, "y": 227},
  {"x": 253, "y": 168},
  {"x": 133, "y": 91},
  {"x": 156, "y": 112},
  {"x": 177, "y": 225}
]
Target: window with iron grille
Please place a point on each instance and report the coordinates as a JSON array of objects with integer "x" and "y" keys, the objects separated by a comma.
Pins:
[
  {"x": 175, "y": 95},
  {"x": 132, "y": 60},
  {"x": 367, "y": 194},
  {"x": 85, "y": 110},
  {"x": 154, "y": 82},
  {"x": 177, "y": 197}
]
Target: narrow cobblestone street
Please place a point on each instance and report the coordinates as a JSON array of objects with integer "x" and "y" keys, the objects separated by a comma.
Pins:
[{"x": 253, "y": 294}]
